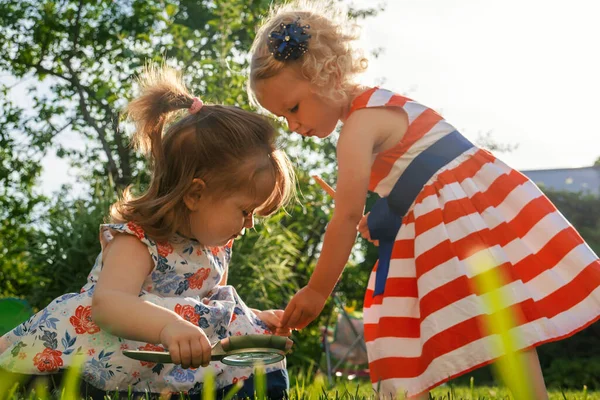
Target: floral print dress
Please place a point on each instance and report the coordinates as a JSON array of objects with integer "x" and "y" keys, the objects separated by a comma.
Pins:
[{"x": 185, "y": 279}]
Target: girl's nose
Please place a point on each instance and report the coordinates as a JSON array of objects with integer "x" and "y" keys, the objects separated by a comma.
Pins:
[
  {"x": 249, "y": 222},
  {"x": 293, "y": 125}
]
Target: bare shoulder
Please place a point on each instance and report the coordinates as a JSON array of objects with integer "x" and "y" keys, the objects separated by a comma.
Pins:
[
  {"x": 125, "y": 246},
  {"x": 126, "y": 264},
  {"x": 129, "y": 243},
  {"x": 386, "y": 126}
]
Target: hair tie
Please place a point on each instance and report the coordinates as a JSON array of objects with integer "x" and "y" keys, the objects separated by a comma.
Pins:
[{"x": 196, "y": 105}]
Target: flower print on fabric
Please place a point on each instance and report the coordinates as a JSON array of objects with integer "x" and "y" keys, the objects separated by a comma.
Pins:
[
  {"x": 188, "y": 313},
  {"x": 185, "y": 279},
  {"x": 48, "y": 360},
  {"x": 82, "y": 320}
]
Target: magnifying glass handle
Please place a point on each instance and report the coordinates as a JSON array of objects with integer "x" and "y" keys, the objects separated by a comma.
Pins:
[
  {"x": 217, "y": 352},
  {"x": 330, "y": 191},
  {"x": 232, "y": 343},
  {"x": 222, "y": 348}
]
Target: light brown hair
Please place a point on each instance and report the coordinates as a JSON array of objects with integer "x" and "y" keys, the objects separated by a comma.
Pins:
[
  {"x": 331, "y": 62},
  {"x": 224, "y": 146}
]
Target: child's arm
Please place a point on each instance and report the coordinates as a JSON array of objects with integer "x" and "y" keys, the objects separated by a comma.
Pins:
[
  {"x": 361, "y": 133},
  {"x": 118, "y": 309}
]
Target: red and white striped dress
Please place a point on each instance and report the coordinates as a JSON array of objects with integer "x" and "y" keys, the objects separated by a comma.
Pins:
[{"x": 426, "y": 327}]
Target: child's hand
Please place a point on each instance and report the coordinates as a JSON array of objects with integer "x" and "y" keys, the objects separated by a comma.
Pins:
[
  {"x": 272, "y": 318},
  {"x": 305, "y": 306},
  {"x": 187, "y": 343},
  {"x": 363, "y": 229}
]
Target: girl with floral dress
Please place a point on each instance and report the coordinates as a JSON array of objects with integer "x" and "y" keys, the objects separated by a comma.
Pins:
[{"x": 160, "y": 281}]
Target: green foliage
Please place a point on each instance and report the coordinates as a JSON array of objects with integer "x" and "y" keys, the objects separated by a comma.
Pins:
[
  {"x": 262, "y": 262},
  {"x": 19, "y": 169},
  {"x": 583, "y": 211},
  {"x": 89, "y": 52},
  {"x": 575, "y": 360},
  {"x": 571, "y": 372},
  {"x": 64, "y": 252}
]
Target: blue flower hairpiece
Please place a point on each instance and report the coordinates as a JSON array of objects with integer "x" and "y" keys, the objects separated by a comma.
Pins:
[{"x": 290, "y": 42}]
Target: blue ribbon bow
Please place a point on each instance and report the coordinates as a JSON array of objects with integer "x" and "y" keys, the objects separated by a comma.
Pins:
[{"x": 289, "y": 42}]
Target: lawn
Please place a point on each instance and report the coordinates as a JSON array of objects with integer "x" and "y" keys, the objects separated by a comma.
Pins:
[
  {"x": 316, "y": 388},
  {"x": 362, "y": 390}
]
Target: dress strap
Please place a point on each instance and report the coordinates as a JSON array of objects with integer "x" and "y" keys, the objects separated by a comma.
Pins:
[
  {"x": 386, "y": 215},
  {"x": 377, "y": 97}
]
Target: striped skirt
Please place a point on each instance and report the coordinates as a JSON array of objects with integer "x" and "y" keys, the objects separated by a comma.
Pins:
[{"x": 475, "y": 214}]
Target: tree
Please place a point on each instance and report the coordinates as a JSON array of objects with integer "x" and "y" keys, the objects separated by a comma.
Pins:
[
  {"x": 19, "y": 168},
  {"x": 89, "y": 53}
]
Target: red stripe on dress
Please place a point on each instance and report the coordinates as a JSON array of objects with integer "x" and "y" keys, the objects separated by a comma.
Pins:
[
  {"x": 452, "y": 338},
  {"x": 396, "y": 287},
  {"x": 455, "y": 209},
  {"x": 361, "y": 100},
  {"x": 400, "y": 327},
  {"x": 467, "y": 169},
  {"x": 385, "y": 160},
  {"x": 571, "y": 294},
  {"x": 481, "y": 201},
  {"x": 526, "y": 270},
  {"x": 551, "y": 254},
  {"x": 397, "y": 101},
  {"x": 467, "y": 331},
  {"x": 531, "y": 213},
  {"x": 403, "y": 248}
]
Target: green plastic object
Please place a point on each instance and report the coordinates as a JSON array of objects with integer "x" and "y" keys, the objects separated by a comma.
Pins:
[
  {"x": 13, "y": 312},
  {"x": 248, "y": 341},
  {"x": 234, "y": 350}
]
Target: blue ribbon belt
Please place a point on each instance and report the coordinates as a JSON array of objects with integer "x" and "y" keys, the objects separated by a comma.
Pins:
[{"x": 386, "y": 214}]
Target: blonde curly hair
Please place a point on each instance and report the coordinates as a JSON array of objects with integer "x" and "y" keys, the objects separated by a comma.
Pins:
[{"x": 331, "y": 62}]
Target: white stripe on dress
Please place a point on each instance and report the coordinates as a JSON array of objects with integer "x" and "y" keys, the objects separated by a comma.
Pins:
[
  {"x": 379, "y": 98},
  {"x": 488, "y": 348}
]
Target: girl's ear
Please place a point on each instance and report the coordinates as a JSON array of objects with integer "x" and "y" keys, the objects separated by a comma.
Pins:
[{"x": 192, "y": 197}]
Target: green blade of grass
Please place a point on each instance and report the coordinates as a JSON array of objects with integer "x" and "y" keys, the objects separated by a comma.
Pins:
[
  {"x": 260, "y": 382},
  {"x": 70, "y": 385},
  {"x": 208, "y": 387},
  {"x": 233, "y": 391}
]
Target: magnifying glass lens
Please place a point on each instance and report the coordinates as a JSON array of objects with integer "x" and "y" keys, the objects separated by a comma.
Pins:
[{"x": 252, "y": 358}]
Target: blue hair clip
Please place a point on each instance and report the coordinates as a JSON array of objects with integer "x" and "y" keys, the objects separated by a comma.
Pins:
[{"x": 290, "y": 42}]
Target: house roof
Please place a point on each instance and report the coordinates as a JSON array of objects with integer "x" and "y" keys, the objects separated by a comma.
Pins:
[{"x": 586, "y": 179}]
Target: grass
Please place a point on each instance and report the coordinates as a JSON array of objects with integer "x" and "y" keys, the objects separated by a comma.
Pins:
[
  {"x": 362, "y": 390},
  {"x": 304, "y": 386}
]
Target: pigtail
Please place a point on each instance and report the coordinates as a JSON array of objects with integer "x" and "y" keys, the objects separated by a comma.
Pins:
[
  {"x": 224, "y": 146},
  {"x": 162, "y": 93}
]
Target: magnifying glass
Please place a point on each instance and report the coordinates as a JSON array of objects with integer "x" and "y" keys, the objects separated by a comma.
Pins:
[{"x": 234, "y": 350}]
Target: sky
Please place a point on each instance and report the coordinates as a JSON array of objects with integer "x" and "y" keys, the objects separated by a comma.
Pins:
[{"x": 527, "y": 71}]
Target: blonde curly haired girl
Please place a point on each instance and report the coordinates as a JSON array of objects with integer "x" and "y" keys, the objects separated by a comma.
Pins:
[
  {"x": 447, "y": 209},
  {"x": 333, "y": 62}
]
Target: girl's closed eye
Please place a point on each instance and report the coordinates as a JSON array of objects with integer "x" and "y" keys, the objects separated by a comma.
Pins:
[{"x": 294, "y": 109}]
